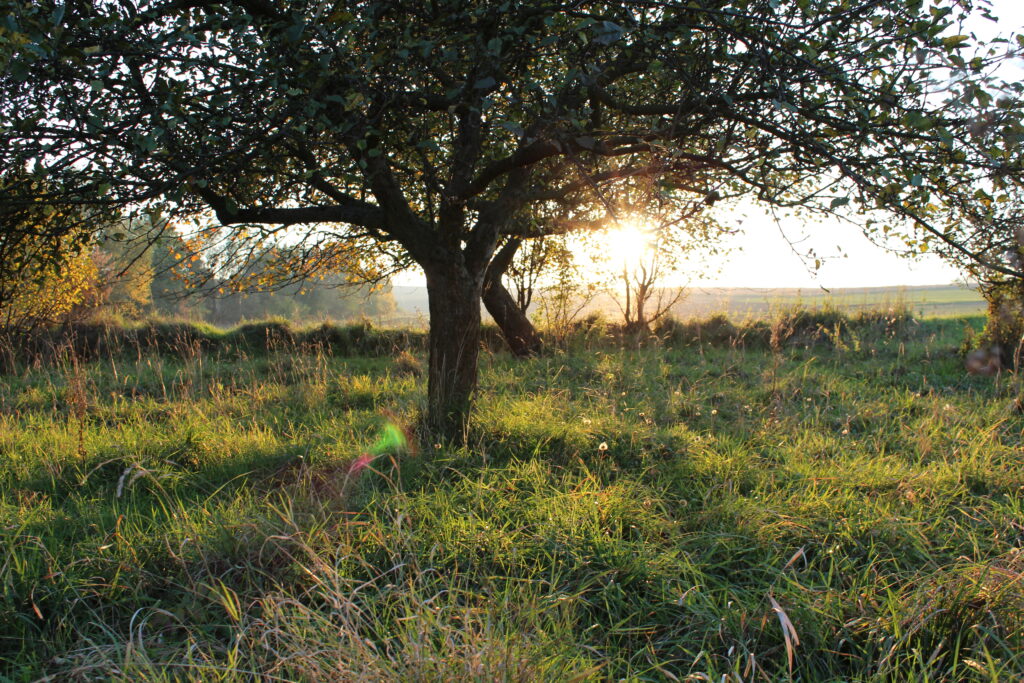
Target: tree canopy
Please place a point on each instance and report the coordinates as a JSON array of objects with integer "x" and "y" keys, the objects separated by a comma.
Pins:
[{"x": 422, "y": 131}]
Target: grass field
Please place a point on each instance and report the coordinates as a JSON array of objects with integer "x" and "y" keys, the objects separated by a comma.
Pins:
[
  {"x": 739, "y": 302},
  {"x": 937, "y": 300},
  {"x": 850, "y": 511}
]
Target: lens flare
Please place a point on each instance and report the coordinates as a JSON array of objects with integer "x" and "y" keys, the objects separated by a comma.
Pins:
[
  {"x": 391, "y": 439},
  {"x": 627, "y": 245}
]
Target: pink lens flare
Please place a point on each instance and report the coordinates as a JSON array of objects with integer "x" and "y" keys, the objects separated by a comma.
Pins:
[{"x": 360, "y": 464}]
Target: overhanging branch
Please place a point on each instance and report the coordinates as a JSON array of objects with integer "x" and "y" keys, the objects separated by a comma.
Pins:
[{"x": 355, "y": 213}]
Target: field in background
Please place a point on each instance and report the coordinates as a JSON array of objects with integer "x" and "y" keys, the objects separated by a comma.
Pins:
[
  {"x": 937, "y": 300},
  {"x": 844, "y": 510}
]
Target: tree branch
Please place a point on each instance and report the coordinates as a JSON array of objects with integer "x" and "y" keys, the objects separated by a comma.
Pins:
[
  {"x": 354, "y": 212},
  {"x": 524, "y": 156}
]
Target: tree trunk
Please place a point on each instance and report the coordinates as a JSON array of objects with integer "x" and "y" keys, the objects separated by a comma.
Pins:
[
  {"x": 641, "y": 300},
  {"x": 454, "y": 340},
  {"x": 519, "y": 332},
  {"x": 643, "y": 293}
]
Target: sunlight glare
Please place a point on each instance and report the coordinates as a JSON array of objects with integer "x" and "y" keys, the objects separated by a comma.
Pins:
[{"x": 628, "y": 244}]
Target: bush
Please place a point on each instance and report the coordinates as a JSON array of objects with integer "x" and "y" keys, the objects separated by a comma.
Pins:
[
  {"x": 1004, "y": 326},
  {"x": 107, "y": 338},
  {"x": 793, "y": 327},
  {"x": 111, "y": 337},
  {"x": 716, "y": 330},
  {"x": 263, "y": 336},
  {"x": 408, "y": 364},
  {"x": 807, "y": 327},
  {"x": 170, "y": 337}
]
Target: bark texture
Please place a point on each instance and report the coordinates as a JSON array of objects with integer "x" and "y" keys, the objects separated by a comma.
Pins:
[{"x": 454, "y": 339}]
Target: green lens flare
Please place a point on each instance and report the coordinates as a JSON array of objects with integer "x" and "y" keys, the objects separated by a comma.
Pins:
[{"x": 391, "y": 439}]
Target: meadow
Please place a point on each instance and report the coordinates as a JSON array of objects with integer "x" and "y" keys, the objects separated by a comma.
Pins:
[
  {"x": 741, "y": 303},
  {"x": 841, "y": 505}
]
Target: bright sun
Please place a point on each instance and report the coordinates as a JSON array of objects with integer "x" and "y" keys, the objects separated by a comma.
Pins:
[{"x": 626, "y": 245}]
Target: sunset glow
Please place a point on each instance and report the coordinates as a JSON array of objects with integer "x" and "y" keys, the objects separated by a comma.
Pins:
[{"x": 626, "y": 245}]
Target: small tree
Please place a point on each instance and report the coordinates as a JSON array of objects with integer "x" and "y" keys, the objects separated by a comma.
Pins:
[
  {"x": 640, "y": 299},
  {"x": 48, "y": 292},
  {"x": 125, "y": 270},
  {"x": 535, "y": 260},
  {"x": 568, "y": 294},
  {"x": 648, "y": 249}
]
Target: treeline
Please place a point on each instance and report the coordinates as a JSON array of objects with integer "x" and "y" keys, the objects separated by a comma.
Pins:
[{"x": 128, "y": 276}]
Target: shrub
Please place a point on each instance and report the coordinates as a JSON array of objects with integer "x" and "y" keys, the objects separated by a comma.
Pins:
[
  {"x": 408, "y": 364},
  {"x": 1004, "y": 326},
  {"x": 47, "y": 294},
  {"x": 267, "y": 335},
  {"x": 716, "y": 330}
]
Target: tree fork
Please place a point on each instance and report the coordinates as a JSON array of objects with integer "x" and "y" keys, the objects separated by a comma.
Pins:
[{"x": 520, "y": 334}]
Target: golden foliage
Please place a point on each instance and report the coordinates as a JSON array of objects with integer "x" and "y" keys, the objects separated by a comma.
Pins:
[{"x": 47, "y": 293}]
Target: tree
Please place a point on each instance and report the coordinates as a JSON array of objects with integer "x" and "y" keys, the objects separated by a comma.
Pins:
[
  {"x": 45, "y": 250},
  {"x": 640, "y": 298},
  {"x": 993, "y": 228},
  {"x": 46, "y": 292},
  {"x": 125, "y": 270},
  {"x": 38, "y": 240},
  {"x": 430, "y": 127},
  {"x": 522, "y": 263},
  {"x": 519, "y": 332},
  {"x": 175, "y": 278}
]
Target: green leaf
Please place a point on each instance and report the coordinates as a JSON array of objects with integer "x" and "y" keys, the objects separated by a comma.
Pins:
[
  {"x": 609, "y": 32},
  {"x": 954, "y": 42},
  {"x": 838, "y": 202},
  {"x": 294, "y": 32},
  {"x": 511, "y": 126}
]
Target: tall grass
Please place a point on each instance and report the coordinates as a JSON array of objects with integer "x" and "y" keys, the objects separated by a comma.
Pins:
[{"x": 845, "y": 508}]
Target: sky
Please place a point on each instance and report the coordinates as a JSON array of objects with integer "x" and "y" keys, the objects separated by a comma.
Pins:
[
  {"x": 767, "y": 254},
  {"x": 762, "y": 257}
]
